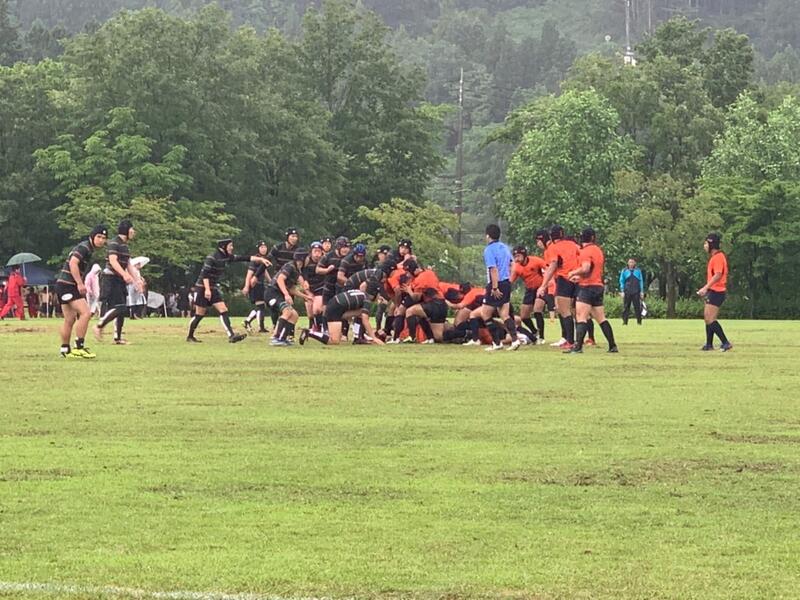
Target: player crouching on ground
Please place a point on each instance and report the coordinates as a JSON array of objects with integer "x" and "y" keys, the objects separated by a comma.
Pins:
[
  {"x": 207, "y": 288},
  {"x": 287, "y": 285},
  {"x": 425, "y": 305},
  {"x": 589, "y": 302},
  {"x": 352, "y": 304}
]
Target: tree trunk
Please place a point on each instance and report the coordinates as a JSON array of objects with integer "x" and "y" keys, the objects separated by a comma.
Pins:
[{"x": 672, "y": 290}]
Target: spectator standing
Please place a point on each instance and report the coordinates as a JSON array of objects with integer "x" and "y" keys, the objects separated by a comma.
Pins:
[
  {"x": 32, "y": 300},
  {"x": 631, "y": 288},
  {"x": 92, "y": 283},
  {"x": 184, "y": 302}
]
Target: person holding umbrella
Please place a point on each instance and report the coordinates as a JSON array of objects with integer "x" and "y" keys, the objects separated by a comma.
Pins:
[
  {"x": 71, "y": 293},
  {"x": 16, "y": 281}
]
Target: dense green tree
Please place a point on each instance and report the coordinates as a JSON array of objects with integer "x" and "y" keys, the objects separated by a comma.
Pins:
[
  {"x": 112, "y": 175},
  {"x": 389, "y": 142},
  {"x": 10, "y": 48},
  {"x": 428, "y": 225},
  {"x": 563, "y": 170}
]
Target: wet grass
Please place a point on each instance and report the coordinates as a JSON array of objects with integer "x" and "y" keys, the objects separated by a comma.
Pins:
[{"x": 424, "y": 472}]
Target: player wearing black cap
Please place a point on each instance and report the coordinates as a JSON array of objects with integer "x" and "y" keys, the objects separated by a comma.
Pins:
[
  {"x": 713, "y": 292},
  {"x": 287, "y": 285},
  {"x": 116, "y": 277},
  {"x": 208, "y": 292},
  {"x": 329, "y": 266},
  {"x": 254, "y": 289},
  {"x": 71, "y": 293}
]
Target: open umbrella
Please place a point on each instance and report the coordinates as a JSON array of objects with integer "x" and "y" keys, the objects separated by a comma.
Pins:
[{"x": 22, "y": 259}]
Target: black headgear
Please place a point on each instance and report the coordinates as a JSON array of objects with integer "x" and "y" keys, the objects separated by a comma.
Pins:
[
  {"x": 384, "y": 249},
  {"x": 520, "y": 250},
  {"x": 411, "y": 266},
  {"x": 291, "y": 231},
  {"x": 388, "y": 266},
  {"x": 326, "y": 239},
  {"x": 98, "y": 230},
  {"x": 453, "y": 295},
  {"x": 260, "y": 243},
  {"x": 714, "y": 240},
  {"x": 588, "y": 235},
  {"x": 543, "y": 235},
  {"x": 404, "y": 243},
  {"x": 223, "y": 244},
  {"x": 342, "y": 242},
  {"x": 556, "y": 233},
  {"x": 124, "y": 227},
  {"x": 316, "y": 245},
  {"x": 465, "y": 287},
  {"x": 300, "y": 254}
]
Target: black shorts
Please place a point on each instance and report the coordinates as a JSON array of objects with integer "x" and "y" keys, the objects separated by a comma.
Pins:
[
  {"x": 504, "y": 287},
  {"x": 335, "y": 312},
  {"x": 256, "y": 294},
  {"x": 715, "y": 298},
  {"x": 591, "y": 294},
  {"x": 550, "y": 302},
  {"x": 330, "y": 291},
  {"x": 275, "y": 300},
  {"x": 436, "y": 310},
  {"x": 530, "y": 296},
  {"x": 67, "y": 293},
  {"x": 113, "y": 290},
  {"x": 200, "y": 299},
  {"x": 407, "y": 301},
  {"x": 565, "y": 288}
]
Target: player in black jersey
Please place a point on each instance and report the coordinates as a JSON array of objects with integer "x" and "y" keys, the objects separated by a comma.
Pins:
[
  {"x": 281, "y": 254},
  {"x": 257, "y": 274},
  {"x": 329, "y": 267},
  {"x": 380, "y": 255},
  {"x": 284, "y": 252},
  {"x": 208, "y": 292},
  {"x": 316, "y": 286},
  {"x": 71, "y": 293},
  {"x": 287, "y": 285},
  {"x": 351, "y": 264},
  {"x": 114, "y": 281},
  {"x": 343, "y": 306},
  {"x": 404, "y": 252}
]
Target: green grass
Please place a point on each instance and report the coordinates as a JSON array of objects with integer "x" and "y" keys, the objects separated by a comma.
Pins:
[{"x": 661, "y": 472}]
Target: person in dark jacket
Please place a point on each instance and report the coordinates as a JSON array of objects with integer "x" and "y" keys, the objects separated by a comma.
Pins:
[{"x": 631, "y": 288}]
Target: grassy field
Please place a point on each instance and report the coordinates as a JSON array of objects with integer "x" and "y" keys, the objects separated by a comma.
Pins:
[{"x": 422, "y": 472}]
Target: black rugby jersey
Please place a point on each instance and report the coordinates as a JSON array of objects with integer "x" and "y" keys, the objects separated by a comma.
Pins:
[{"x": 83, "y": 251}]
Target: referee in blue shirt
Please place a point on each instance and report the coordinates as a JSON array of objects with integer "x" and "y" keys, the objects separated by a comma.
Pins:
[{"x": 498, "y": 258}]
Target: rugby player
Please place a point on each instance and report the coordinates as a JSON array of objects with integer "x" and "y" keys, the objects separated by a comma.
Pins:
[
  {"x": 208, "y": 292},
  {"x": 117, "y": 275},
  {"x": 316, "y": 286},
  {"x": 280, "y": 293},
  {"x": 71, "y": 293},
  {"x": 589, "y": 302},
  {"x": 425, "y": 305},
  {"x": 343, "y": 306},
  {"x": 529, "y": 269},
  {"x": 713, "y": 292},
  {"x": 257, "y": 274},
  {"x": 561, "y": 257}
]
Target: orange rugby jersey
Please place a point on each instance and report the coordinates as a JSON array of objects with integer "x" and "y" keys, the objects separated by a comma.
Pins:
[{"x": 718, "y": 263}]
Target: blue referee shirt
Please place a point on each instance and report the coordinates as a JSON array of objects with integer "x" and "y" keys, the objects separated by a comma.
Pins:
[{"x": 496, "y": 254}]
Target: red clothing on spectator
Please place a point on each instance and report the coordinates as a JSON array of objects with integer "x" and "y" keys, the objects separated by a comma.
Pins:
[{"x": 14, "y": 287}]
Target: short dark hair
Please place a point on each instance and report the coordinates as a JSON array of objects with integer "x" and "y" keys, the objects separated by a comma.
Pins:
[{"x": 493, "y": 231}]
